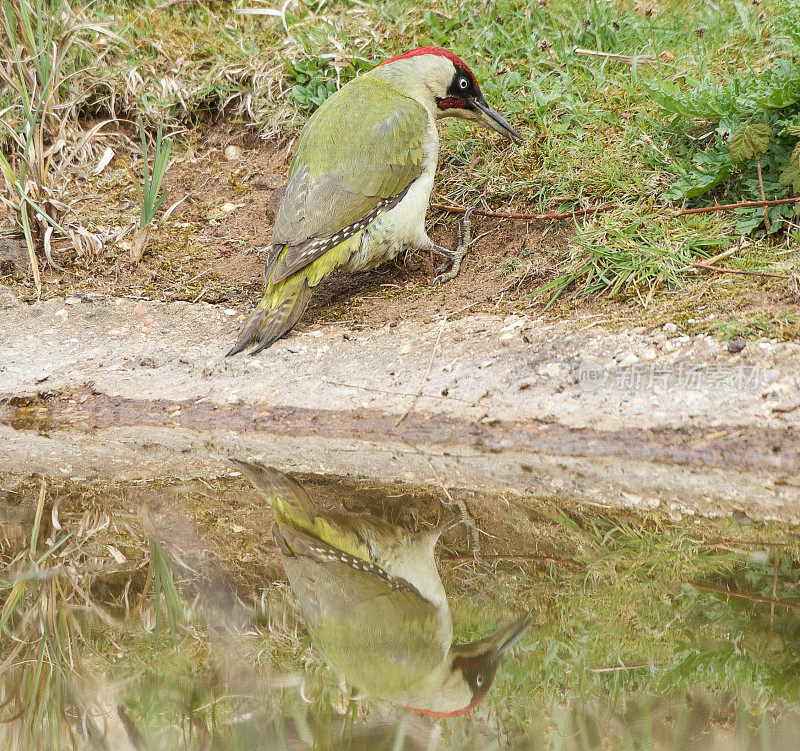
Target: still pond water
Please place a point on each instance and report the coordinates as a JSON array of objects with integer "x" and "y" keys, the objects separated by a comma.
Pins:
[{"x": 259, "y": 611}]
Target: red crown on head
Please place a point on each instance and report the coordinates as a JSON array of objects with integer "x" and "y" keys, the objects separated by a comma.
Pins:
[{"x": 439, "y": 51}]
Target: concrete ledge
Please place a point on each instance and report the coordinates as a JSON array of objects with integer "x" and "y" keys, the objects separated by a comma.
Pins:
[{"x": 110, "y": 388}]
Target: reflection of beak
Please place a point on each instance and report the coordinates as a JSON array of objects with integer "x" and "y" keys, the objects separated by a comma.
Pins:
[
  {"x": 508, "y": 637},
  {"x": 491, "y": 649},
  {"x": 496, "y": 121}
]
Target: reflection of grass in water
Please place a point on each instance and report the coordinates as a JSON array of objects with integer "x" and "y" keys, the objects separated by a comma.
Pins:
[
  {"x": 52, "y": 627},
  {"x": 631, "y": 624},
  {"x": 41, "y": 670},
  {"x": 622, "y": 640}
]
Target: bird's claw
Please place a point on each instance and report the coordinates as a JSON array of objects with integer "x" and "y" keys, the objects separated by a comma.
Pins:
[
  {"x": 464, "y": 518},
  {"x": 455, "y": 256},
  {"x": 443, "y": 276},
  {"x": 464, "y": 227}
]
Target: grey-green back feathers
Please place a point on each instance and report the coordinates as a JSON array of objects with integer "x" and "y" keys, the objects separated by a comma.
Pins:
[
  {"x": 359, "y": 152},
  {"x": 373, "y": 629}
]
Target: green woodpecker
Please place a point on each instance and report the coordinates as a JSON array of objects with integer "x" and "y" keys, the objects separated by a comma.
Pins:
[
  {"x": 361, "y": 179},
  {"x": 375, "y": 604}
]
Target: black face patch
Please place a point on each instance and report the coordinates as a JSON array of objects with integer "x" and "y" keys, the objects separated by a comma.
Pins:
[
  {"x": 463, "y": 85},
  {"x": 463, "y": 88},
  {"x": 477, "y": 673}
]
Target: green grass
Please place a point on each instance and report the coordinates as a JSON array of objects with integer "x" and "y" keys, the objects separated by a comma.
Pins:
[
  {"x": 752, "y": 324},
  {"x": 594, "y": 133},
  {"x": 635, "y": 257}
]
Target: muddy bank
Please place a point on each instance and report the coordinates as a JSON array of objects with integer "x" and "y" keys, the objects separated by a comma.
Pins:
[{"x": 111, "y": 387}]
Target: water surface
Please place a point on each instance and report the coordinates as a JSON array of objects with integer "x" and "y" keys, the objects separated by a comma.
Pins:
[{"x": 159, "y": 615}]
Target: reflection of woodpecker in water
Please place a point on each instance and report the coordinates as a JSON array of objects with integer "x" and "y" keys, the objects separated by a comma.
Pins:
[{"x": 375, "y": 604}]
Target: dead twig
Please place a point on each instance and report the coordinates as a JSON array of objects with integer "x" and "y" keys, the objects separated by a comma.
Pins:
[
  {"x": 775, "y": 565},
  {"x": 763, "y": 194},
  {"x": 725, "y": 253},
  {"x": 615, "y": 668},
  {"x": 744, "y": 596},
  {"x": 171, "y": 3},
  {"x": 736, "y": 544},
  {"x": 740, "y": 205},
  {"x": 629, "y": 59},
  {"x": 610, "y": 207},
  {"x": 395, "y": 393},
  {"x": 521, "y": 215},
  {"x": 747, "y": 272},
  {"x": 425, "y": 377},
  {"x": 519, "y": 559}
]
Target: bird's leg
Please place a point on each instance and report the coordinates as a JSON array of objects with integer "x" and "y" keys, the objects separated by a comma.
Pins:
[
  {"x": 466, "y": 519},
  {"x": 454, "y": 256}
]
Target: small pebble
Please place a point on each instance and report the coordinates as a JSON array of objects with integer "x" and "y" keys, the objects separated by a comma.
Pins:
[
  {"x": 508, "y": 336},
  {"x": 229, "y": 312},
  {"x": 232, "y": 153},
  {"x": 670, "y": 328},
  {"x": 736, "y": 345}
]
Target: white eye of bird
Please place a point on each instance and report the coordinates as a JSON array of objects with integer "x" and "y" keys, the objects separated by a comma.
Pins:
[
  {"x": 478, "y": 680},
  {"x": 463, "y": 83}
]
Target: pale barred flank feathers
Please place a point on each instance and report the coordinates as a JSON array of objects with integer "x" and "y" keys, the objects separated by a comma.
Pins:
[
  {"x": 299, "y": 256},
  {"x": 293, "y": 542}
]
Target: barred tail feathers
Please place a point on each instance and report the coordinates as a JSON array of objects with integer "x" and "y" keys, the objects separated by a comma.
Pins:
[
  {"x": 276, "y": 314},
  {"x": 285, "y": 300},
  {"x": 294, "y": 509}
]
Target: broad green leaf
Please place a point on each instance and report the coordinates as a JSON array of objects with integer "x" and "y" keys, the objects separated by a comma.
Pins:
[
  {"x": 750, "y": 141},
  {"x": 795, "y": 156},
  {"x": 791, "y": 178}
]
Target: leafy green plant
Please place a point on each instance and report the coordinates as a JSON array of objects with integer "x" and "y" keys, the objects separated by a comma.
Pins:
[
  {"x": 150, "y": 193},
  {"x": 314, "y": 83},
  {"x": 754, "y": 153}
]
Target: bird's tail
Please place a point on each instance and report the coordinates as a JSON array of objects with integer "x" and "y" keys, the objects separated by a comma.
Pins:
[
  {"x": 294, "y": 509},
  {"x": 276, "y": 314},
  {"x": 289, "y": 501}
]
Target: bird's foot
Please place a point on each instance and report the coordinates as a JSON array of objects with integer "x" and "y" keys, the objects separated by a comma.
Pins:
[
  {"x": 465, "y": 518},
  {"x": 446, "y": 271}
]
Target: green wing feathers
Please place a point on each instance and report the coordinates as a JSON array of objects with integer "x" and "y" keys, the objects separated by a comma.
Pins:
[{"x": 355, "y": 158}]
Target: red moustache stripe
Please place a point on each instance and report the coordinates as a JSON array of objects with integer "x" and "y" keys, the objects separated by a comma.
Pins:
[{"x": 451, "y": 102}]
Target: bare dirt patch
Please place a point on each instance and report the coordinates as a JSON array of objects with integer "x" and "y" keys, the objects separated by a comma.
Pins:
[{"x": 227, "y": 182}]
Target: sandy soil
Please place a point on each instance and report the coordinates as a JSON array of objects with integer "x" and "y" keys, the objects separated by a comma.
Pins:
[{"x": 108, "y": 387}]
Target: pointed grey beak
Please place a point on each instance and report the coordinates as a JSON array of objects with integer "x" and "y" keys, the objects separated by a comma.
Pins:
[{"x": 496, "y": 121}]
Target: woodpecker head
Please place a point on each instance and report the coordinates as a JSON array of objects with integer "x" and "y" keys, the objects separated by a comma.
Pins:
[
  {"x": 471, "y": 670},
  {"x": 445, "y": 85}
]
